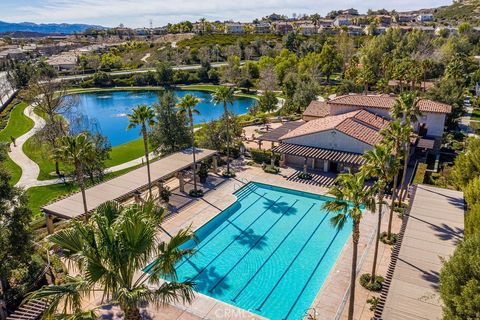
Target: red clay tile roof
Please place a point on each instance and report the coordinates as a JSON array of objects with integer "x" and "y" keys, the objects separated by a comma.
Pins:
[
  {"x": 387, "y": 102},
  {"x": 360, "y": 124},
  {"x": 359, "y": 131},
  {"x": 317, "y": 109}
]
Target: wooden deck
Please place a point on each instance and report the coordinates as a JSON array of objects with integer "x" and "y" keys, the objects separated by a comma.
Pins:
[{"x": 430, "y": 233}]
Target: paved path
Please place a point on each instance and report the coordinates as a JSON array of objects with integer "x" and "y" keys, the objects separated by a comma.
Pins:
[{"x": 31, "y": 170}]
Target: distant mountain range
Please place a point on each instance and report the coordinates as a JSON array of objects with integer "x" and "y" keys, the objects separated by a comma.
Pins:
[{"x": 45, "y": 28}]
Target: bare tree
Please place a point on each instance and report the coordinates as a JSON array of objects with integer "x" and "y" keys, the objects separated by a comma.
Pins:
[
  {"x": 52, "y": 101},
  {"x": 346, "y": 48},
  {"x": 268, "y": 78}
]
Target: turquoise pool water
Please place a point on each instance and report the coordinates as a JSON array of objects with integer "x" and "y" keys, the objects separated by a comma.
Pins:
[
  {"x": 269, "y": 253},
  {"x": 106, "y": 112}
]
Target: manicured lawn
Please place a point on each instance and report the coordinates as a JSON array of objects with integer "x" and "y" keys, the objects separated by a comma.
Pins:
[
  {"x": 41, "y": 155},
  {"x": 14, "y": 170},
  {"x": 18, "y": 124},
  {"x": 476, "y": 114},
  {"x": 125, "y": 152},
  {"x": 40, "y": 196}
]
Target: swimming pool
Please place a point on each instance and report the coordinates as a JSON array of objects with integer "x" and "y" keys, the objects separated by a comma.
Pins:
[
  {"x": 269, "y": 253},
  {"x": 106, "y": 111}
]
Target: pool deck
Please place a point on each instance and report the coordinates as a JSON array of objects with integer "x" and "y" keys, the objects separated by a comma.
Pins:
[{"x": 331, "y": 297}]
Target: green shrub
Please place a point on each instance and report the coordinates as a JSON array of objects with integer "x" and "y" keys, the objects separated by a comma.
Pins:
[
  {"x": 263, "y": 156},
  {"x": 305, "y": 176},
  {"x": 373, "y": 302},
  {"x": 375, "y": 286},
  {"x": 400, "y": 209},
  {"x": 196, "y": 193},
  {"x": 271, "y": 169},
  {"x": 460, "y": 282},
  {"x": 420, "y": 173},
  {"x": 165, "y": 194},
  {"x": 472, "y": 220},
  {"x": 228, "y": 174},
  {"x": 390, "y": 241}
]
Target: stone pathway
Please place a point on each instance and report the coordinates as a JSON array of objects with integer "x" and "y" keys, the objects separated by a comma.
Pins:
[{"x": 31, "y": 170}]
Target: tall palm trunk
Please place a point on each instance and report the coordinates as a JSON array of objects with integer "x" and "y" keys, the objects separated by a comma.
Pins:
[
  {"x": 193, "y": 152},
  {"x": 392, "y": 204},
  {"x": 145, "y": 146},
  {"x": 79, "y": 170},
  {"x": 381, "y": 193},
  {"x": 57, "y": 168},
  {"x": 404, "y": 174},
  {"x": 228, "y": 135},
  {"x": 353, "y": 277}
]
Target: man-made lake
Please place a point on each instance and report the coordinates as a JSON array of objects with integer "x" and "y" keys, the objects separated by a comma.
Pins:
[{"x": 106, "y": 112}]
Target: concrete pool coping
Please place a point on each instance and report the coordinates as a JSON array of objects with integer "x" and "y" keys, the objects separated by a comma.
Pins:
[{"x": 329, "y": 301}]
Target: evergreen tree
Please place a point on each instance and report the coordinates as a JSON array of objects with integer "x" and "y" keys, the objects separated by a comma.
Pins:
[{"x": 170, "y": 132}]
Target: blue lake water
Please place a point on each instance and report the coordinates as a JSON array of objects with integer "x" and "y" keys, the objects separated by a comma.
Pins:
[
  {"x": 269, "y": 253},
  {"x": 106, "y": 112}
]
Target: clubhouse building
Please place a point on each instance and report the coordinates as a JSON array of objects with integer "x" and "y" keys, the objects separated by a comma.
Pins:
[{"x": 334, "y": 134}]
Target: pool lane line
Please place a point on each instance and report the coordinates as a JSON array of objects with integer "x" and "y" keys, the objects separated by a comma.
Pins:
[
  {"x": 270, "y": 256},
  {"x": 204, "y": 243},
  {"x": 312, "y": 274},
  {"x": 259, "y": 308},
  {"x": 235, "y": 239},
  {"x": 252, "y": 247}
]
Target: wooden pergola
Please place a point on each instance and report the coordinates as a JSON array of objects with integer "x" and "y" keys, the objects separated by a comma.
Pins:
[{"x": 126, "y": 185}]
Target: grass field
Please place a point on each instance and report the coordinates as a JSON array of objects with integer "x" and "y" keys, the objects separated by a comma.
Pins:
[
  {"x": 18, "y": 124},
  {"x": 476, "y": 114},
  {"x": 41, "y": 155}
]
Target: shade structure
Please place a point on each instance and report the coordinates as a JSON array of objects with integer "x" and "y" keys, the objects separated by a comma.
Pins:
[
  {"x": 320, "y": 153},
  {"x": 126, "y": 184}
]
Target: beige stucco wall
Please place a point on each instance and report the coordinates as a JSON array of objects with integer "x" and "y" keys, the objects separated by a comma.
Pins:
[{"x": 331, "y": 139}]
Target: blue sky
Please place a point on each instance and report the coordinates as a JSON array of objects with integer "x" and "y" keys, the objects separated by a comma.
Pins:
[{"x": 137, "y": 13}]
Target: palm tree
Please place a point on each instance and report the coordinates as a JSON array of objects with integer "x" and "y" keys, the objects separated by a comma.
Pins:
[
  {"x": 380, "y": 165},
  {"x": 351, "y": 195},
  {"x": 186, "y": 106},
  {"x": 112, "y": 253},
  {"x": 225, "y": 95},
  {"x": 76, "y": 150},
  {"x": 395, "y": 135},
  {"x": 143, "y": 116},
  {"x": 365, "y": 77},
  {"x": 407, "y": 108}
]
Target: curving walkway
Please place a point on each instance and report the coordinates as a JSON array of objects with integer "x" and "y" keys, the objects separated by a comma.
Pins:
[{"x": 31, "y": 170}]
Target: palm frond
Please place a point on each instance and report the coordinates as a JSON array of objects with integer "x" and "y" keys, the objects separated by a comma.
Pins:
[
  {"x": 171, "y": 292},
  {"x": 67, "y": 296}
]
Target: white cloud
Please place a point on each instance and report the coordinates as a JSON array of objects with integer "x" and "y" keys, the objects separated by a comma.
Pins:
[{"x": 139, "y": 12}]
